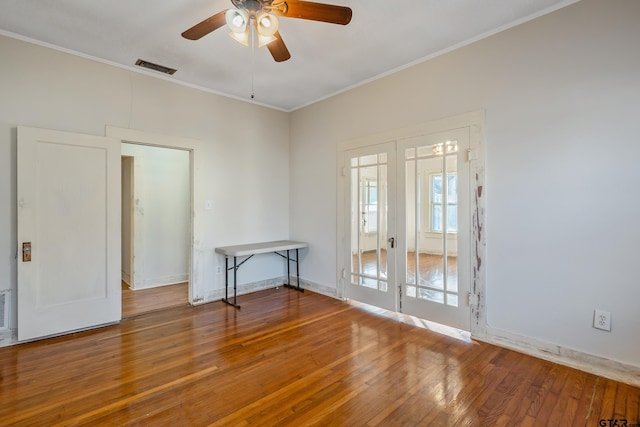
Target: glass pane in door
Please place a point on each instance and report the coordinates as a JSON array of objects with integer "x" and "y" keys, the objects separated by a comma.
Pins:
[
  {"x": 412, "y": 220},
  {"x": 431, "y": 223},
  {"x": 451, "y": 221},
  {"x": 369, "y": 221},
  {"x": 430, "y": 261},
  {"x": 434, "y": 220}
]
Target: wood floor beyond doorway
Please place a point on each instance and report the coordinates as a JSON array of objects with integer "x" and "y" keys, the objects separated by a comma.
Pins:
[
  {"x": 292, "y": 359},
  {"x": 145, "y": 300}
]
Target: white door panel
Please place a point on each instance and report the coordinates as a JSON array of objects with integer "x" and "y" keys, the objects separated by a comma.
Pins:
[
  {"x": 370, "y": 217},
  {"x": 69, "y": 209},
  {"x": 434, "y": 226}
]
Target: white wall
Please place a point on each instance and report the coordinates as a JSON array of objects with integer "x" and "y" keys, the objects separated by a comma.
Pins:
[
  {"x": 163, "y": 203},
  {"x": 244, "y": 148},
  {"x": 8, "y": 214},
  {"x": 561, "y": 100}
]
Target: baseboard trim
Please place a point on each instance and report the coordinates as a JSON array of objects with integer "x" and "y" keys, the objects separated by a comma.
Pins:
[
  {"x": 247, "y": 288},
  {"x": 160, "y": 281},
  {"x": 126, "y": 278},
  {"x": 8, "y": 337},
  {"x": 244, "y": 288},
  {"x": 580, "y": 360},
  {"x": 319, "y": 289}
]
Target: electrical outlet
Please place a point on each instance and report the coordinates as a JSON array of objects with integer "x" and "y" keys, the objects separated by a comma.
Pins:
[
  {"x": 219, "y": 270},
  {"x": 602, "y": 320}
]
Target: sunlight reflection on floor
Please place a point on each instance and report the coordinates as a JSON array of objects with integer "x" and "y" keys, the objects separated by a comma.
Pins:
[{"x": 438, "y": 328}]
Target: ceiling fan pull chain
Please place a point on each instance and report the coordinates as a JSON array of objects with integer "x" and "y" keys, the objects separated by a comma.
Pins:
[{"x": 253, "y": 59}]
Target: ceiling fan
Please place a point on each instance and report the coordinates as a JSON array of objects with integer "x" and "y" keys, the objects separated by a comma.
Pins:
[{"x": 263, "y": 14}]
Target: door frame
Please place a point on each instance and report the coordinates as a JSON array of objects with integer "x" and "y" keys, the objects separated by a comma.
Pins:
[
  {"x": 131, "y": 136},
  {"x": 474, "y": 120},
  {"x": 130, "y": 242},
  {"x": 140, "y": 190}
]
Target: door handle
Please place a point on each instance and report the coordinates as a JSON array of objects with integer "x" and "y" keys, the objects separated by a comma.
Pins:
[
  {"x": 392, "y": 242},
  {"x": 26, "y": 251}
]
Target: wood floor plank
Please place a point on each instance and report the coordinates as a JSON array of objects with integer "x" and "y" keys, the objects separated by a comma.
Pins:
[
  {"x": 142, "y": 301},
  {"x": 633, "y": 406},
  {"x": 584, "y": 409},
  {"x": 290, "y": 359}
]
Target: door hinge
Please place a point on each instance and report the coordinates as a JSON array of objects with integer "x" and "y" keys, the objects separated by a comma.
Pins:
[
  {"x": 400, "y": 298},
  {"x": 472, "y": 299},
  {"x": 344, "y": 171},
  {"x": 344, "y": 273},
  {"x": 471, "y": 154}
]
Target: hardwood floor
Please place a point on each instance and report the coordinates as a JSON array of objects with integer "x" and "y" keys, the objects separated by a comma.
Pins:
[
  {"x": 145, "y": 300},
  {"x": 430, "y": 267},
  {"x": 290, "y": 358}
]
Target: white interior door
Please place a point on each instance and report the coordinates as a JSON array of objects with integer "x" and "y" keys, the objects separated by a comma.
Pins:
[
  {"x": 370, "y": 198},
  {"x": 69, "y": 211},
  {"x": 434, "y": 227}
]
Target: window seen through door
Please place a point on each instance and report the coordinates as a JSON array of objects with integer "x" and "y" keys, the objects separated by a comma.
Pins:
[
  {"x": 437, "y": 199},
  {"x": 370, "y": 214}
]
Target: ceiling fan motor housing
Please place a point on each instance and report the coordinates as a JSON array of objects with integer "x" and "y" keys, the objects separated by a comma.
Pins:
[{"x": 251, "y": 5}]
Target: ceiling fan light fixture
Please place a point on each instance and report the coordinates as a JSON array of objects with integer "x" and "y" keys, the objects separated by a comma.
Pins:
[
  {"x": 242, "y": 38},
  {"x": 267, "y": 24},
  {"x": 237, "y": 20},
  {"x": 265, "y": 14},
  {"x": 265, "y": 40}
]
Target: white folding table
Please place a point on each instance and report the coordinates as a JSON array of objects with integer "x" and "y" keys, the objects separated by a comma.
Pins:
[{"x": 251, "y": 249}]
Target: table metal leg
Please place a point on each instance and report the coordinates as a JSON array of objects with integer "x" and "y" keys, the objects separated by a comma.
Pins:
[
  {"x": 298, "y": 269},
  {"x": 235, "y": 275},
  {"x": 288, "y": 284},
  {"x": 288, "y": 269},
  {"x": 235, "y": 281}
]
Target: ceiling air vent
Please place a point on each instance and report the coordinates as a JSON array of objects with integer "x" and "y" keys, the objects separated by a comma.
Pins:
[{"x": 155, "y": 67}]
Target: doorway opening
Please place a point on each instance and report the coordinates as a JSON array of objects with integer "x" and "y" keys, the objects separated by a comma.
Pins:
[
  {"x": 156, "y": 227},
  {"x": 410, "y": 211}
]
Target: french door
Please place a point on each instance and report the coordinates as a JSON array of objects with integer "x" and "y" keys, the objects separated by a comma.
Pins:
[
  {"x": 434, "y": 227},
  {"x": 370, "y": 197},
  {"x": 408, "y": 226}
]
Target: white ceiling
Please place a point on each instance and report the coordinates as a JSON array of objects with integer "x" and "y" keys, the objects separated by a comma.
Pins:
[{"x": 325, "y": 58}]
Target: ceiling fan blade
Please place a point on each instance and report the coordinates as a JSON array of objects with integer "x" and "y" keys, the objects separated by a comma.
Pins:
[
  {"x": 278, "y": 49},
  {"x": 205, "y": 27},
  {"x": 313, "y": 11}
]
